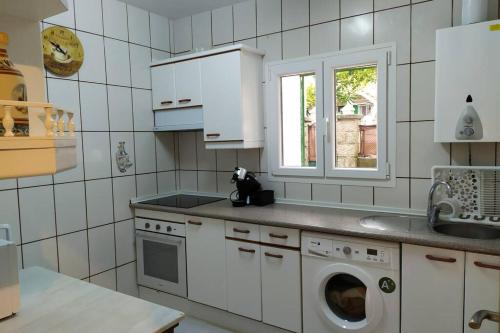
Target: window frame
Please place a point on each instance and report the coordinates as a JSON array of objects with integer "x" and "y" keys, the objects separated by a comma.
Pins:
[
  {"x": 385, "y": 174},
  {"x": 276, "y": 72},
  {"x": 376, "y": 57}
]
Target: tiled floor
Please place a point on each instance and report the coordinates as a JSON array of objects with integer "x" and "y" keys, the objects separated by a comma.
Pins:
[{"x": 191, "y": 325}]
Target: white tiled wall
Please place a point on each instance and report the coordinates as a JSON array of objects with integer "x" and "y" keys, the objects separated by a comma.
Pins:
[
  {"x": 78, "y": 222},
  {"x": 292, "y": 28}
]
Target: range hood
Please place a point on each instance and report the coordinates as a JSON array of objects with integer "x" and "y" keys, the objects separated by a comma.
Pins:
[{"x": 183, "y": 119}]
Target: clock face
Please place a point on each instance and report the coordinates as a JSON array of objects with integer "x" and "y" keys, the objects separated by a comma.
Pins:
[{"x": 62, "y": 51}]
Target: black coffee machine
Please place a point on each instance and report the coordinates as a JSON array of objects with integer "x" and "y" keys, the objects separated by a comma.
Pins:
[{"x": 248, "y": 190}]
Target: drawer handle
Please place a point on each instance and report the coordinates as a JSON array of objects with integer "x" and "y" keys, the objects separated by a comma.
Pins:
[
  {"x": 166, "y": 102},
  {"x": 278, "y": 236},
  {"x": 194, "y": 222},
  {"x": 242, "y": 249},
  {"x": 185, "y": 100},
  {"x": 483, "y": 265},
  {"x": 434, "y": 258},
  {"x": 213, "y": 135},
  {"x": 272, "y": 255},
  {"x": 241, "y": 231}
]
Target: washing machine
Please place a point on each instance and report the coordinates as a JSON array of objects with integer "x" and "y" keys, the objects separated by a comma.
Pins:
[{"x": 350, "y": 285}]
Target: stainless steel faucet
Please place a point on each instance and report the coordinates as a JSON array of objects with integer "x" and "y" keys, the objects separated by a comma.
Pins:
[
  {"x": 432, "y": 209},
  {"x": 478, "y": 317}
]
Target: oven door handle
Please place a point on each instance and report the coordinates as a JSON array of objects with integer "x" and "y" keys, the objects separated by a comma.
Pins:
[{"x": 167, "y": 239}]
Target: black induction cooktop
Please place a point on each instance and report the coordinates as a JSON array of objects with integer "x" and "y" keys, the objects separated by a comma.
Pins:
[{"x": 182, "y": 201}]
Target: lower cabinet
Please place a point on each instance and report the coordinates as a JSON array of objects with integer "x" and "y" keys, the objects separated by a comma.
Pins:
[
  {"x": 432, "y": 294},
  {"x": 482, "y": 290},
  {"x": 243, "y": 279},
  {"x": 281, "y": 288},
  {"x": 206, "y": 261}
]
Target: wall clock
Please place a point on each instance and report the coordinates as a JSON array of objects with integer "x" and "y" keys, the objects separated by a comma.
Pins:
[{"x": 62, "y": 51}]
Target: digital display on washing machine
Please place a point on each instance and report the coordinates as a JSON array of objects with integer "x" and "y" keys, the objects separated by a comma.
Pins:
[{"x": 371, "y": 252}]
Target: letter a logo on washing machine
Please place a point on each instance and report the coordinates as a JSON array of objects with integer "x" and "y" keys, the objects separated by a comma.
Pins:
[{"x": 387, "y": 285}]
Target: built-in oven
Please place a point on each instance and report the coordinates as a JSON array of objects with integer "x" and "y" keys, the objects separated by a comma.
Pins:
[{"x": 161, "y": 255}]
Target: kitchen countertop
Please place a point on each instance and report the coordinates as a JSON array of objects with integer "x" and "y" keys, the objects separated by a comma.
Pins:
[
  {"x": 388, "y": 227},
  {"x": 55, "y": 303}
]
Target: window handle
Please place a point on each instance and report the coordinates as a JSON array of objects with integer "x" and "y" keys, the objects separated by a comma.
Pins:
[{"x": 328, "y": 130}]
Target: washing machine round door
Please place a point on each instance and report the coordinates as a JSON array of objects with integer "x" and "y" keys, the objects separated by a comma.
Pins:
[{"x": 348, "y": 298}]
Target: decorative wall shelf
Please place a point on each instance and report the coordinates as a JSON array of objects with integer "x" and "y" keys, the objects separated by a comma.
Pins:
[
  {"x": 33, "y": 10},
  {"x": 52, "y": 151}
]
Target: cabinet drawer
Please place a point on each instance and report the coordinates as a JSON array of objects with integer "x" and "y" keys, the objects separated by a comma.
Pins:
[
  {"x": 281, "y": 288},
  {"x": 244, "y": 231},
  {"x": 280, "y": 236}
]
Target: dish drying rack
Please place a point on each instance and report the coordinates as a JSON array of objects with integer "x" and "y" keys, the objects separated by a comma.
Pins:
[{"x": 475, "y": 197}]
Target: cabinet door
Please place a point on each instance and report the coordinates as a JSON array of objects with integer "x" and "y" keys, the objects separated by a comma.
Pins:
[
  {"x": 482, "y": 289},
  {"x": 281, "y": 288},
  {"x": 163, "y": 83},
  {"x": 206, "y": 261},
  {"x": 221, "y": 85},
  {"x": 243, "y": 279},
  {"x": 188, "y": 83},
  {"x": 432, "y": 294}
]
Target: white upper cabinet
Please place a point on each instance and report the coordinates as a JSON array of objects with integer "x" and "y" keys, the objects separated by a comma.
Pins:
[
  {"x": 163, "y": 79},
  {"x": 223, "y": 86},
  {"x": 482, "y": 290},
  {"x": 232, "y": 105},
  {"x": 188, "y": 84},
  {"x": 467, "y": 65},
  {"x": 176, "y": 85}
]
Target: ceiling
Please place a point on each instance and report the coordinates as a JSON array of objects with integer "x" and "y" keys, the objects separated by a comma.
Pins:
[{"x": 180, "y": 8}]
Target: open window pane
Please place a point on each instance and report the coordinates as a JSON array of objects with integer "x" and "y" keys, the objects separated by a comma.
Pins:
[
  {"x": 356, "y": 117},
  {"x": 298, "y": 121}
]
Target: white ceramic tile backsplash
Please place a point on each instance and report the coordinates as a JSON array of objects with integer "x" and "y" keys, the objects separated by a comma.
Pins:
[
  {"x": 245, "y": 20},
  {"x": 127, "y": 279},
  {"x": 268, "y": 16},
  {"x": 37, "y": 213},
  {"x": 99, "y": 202},
  {"x": 96, "y": 150},
  {"x": 101, "y": 248},
  {"x": 94, "y": 107},
  {"x": 325, "y": 37},
  {"x": 117, "y": 61},
  {"x": 115, "y": 19},
  {"x": 222, "y": 25},
  {"x": 295, "y": 13},
  {"x": 324, "y": 10},
  {"x": 125, "y": 240},
  {"x": 120, "y": 109},
  {"x": 160, "y": 32},
  {"x": 140, "y": 60},
  {"x": 138, "y": 26},
  {"x": 42, "y": 253},
  {"x": 356, "y": 31},
  {"x": 94, "y": 67},
  {"x": 87, "y": 16},
  {"x": 73, "y": 254},
  {"x": 202, "y": 31},
  {"x": 71, "y": 212}
]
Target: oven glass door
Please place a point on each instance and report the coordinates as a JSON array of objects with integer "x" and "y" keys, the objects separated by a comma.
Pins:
[{"x": 161, "y": 262}]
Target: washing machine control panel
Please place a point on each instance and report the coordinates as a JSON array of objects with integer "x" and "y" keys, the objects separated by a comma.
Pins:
[{"x": 347, "y": 250}]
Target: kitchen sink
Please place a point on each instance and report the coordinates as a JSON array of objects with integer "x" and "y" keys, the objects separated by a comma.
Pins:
[{"x": 468, "y": 230}]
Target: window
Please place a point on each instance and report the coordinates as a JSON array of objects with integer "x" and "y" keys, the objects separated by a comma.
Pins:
[{"x": 332, "y": 117}]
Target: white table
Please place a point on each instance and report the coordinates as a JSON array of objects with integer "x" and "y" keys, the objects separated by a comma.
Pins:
[{"x": 55, "y": 303}]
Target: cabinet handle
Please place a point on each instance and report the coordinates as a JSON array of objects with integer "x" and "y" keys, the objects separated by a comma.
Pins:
[
  {"x": 166, "y": 102},
  {"x": 242, "y": 249},
  {"x": 483, "y": 265},
  {"x": 434, "y": 258},
  {"x": 278, "y": 256},
  {"x": 278, "y": 236},
  {"x": 185, "y": 100},
  {"x": 194, "y": 222},
  {"x": 212, "y": 135},
  {"x": 241, "y": 231}
]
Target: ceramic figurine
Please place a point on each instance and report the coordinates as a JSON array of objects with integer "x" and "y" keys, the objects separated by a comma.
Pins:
[{"x": 12, "y": 84}]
